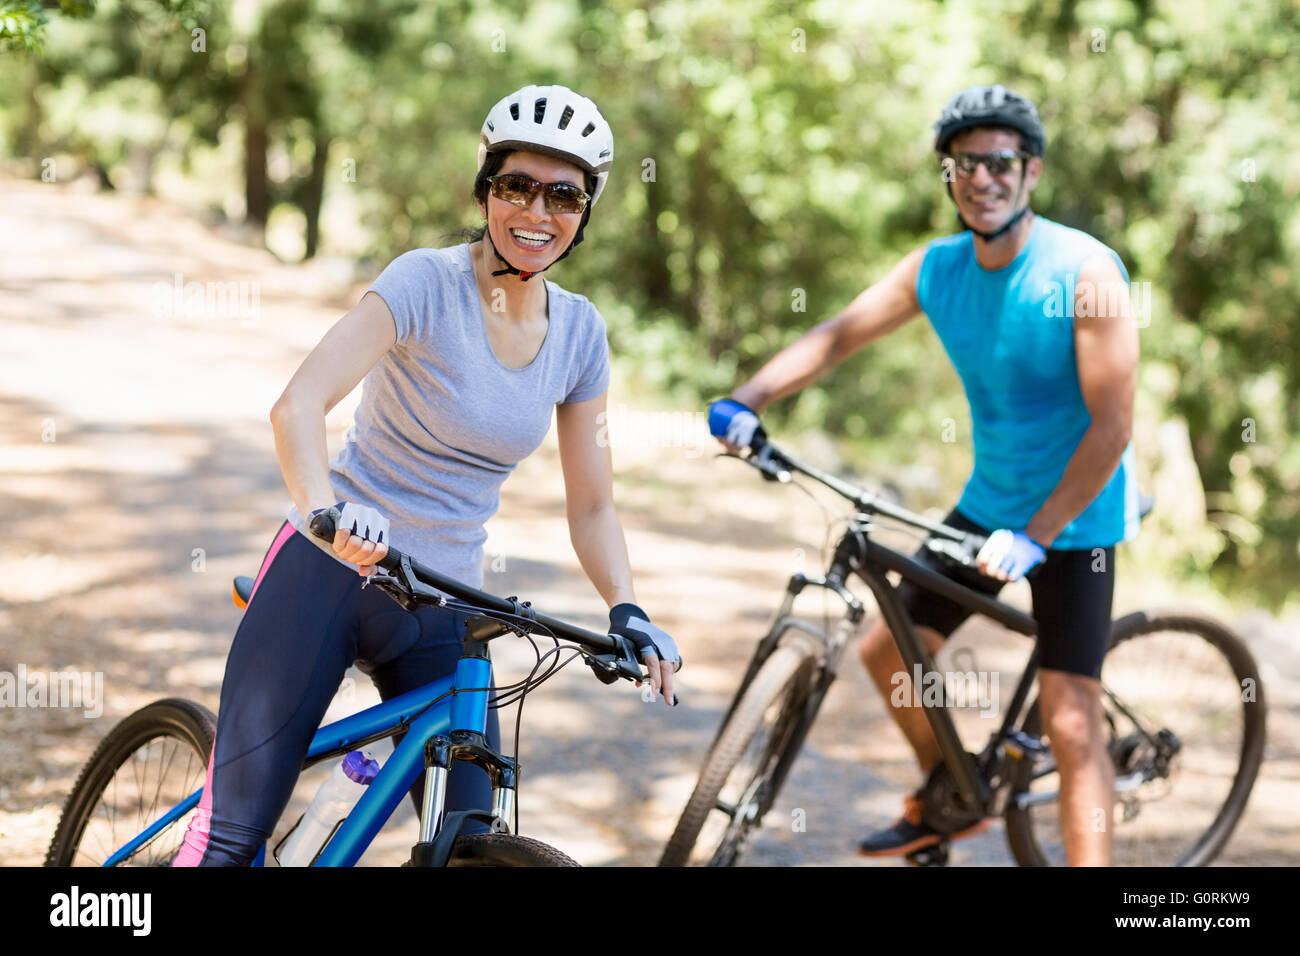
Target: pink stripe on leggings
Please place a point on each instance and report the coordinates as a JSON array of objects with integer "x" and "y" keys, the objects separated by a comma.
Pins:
[
  {"x": 285, "y": 534},
  {"x": 196, "y": 836},
  {"x": 195, "y": 843}
]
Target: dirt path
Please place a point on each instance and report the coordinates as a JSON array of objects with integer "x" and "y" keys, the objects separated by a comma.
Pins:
[{"x": 137, "y": 476}]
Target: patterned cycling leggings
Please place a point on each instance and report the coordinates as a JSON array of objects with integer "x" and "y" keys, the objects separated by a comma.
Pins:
[{"x": 307, "y": 621}]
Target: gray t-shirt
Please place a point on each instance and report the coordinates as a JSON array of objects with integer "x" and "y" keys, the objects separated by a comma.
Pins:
[{"x": 442, "y": 422}]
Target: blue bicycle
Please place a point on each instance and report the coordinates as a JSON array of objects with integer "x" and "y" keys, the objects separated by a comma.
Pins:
[{"x": 134, "y": 799}]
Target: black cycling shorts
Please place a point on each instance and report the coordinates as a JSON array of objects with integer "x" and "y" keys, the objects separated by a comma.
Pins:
[{"x": 1072, "y": 594}]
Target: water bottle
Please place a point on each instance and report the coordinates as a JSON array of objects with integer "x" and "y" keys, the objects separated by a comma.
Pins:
[{"x": 333, "y": 801}]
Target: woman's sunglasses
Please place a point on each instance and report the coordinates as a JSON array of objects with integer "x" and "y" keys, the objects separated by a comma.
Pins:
[
  {"x": 522, "y": 190},
  {"x": 997, "y": 163}
]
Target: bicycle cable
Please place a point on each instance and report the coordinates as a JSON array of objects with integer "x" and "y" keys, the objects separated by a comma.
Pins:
[{"x": 504, "y": 696}]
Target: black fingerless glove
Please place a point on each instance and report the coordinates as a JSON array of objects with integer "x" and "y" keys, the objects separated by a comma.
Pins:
[{"x": 629, "y": 621}]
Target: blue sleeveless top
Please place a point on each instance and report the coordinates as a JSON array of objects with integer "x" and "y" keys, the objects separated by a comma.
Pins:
[{"x": 1010, "y": 334}]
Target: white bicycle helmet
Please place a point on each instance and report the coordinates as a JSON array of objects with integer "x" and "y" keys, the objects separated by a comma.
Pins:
[{"x": 553, "y": 120}]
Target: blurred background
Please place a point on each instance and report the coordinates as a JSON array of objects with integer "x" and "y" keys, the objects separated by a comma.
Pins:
[{"x": 772, "y": 160}]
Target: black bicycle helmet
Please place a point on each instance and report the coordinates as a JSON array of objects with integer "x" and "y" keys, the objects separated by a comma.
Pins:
[{"x": 990, "y": 106}]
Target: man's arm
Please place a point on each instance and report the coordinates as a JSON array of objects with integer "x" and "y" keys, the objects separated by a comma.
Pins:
[
  {"x": 1106, "y": 346},
  {"x": 879, "y": 310}
]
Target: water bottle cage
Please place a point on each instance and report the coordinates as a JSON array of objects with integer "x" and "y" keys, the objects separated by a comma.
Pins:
[{"x": 319, "y": 850}]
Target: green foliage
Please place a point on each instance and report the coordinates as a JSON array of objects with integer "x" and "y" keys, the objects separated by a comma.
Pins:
[
  {"x": 773, "y": 158},
  {"x": 22, "y": 25}
]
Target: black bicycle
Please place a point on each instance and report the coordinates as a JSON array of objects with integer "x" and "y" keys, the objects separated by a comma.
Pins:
[{"x": 1181, "y": 695}]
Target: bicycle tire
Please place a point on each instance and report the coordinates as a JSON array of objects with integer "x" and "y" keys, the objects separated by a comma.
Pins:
[
  {"x": 190, "y": 724},
  {"x": 505, "y": 849},
  {"x": 1027, "y": 848},
  {"x": 785, "y": 678}
]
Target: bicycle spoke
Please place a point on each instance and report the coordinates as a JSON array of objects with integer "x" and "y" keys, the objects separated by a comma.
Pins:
[
  {"x": 1176, "y": 727},
  {"x": 153, "y": 807}
]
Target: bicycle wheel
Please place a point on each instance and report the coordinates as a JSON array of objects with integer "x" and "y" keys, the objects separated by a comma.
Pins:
[
  {"x": 505, "y": 849},
  {"x": 147, "y": 764},
  {"x": 735, "y": 787},
  {"x": 1185, "y": 709}
]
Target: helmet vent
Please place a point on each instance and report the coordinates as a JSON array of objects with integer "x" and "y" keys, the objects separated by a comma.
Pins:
[
  {"x": 514, "y": 111},
  {"x": 539, "y": 109},
  {"x": 565, "y": 117},
  {"x": 590, "y": 128}
]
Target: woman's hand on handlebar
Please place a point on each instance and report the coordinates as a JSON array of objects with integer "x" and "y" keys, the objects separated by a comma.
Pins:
[
  {"x": 360, "y": 535},
  {"x": 657, "y": 649}
]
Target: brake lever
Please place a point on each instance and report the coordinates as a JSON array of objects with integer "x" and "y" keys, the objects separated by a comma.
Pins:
[
  {"x": 960, "y": 552},
  {"x": 764, "y": 462},
  {"x": 611, "y": 667},
  {"x": 768, "y": 466}
]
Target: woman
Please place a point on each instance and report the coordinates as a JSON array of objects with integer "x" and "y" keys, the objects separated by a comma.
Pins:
[{"x": 464, "y": 360}]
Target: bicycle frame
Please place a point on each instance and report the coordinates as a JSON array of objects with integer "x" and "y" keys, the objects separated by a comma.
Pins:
[
  {"x": 857, "y": 554},
  {"x": 871, "y": 568},
  {"x": 444, "y": 730},
  {"x": 459, "y": 717}
]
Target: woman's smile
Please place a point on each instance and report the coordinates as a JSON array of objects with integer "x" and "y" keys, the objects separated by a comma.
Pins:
[{"x": 531, "y": 240}]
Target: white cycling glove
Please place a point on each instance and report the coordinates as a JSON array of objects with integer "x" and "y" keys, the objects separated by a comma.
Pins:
[
  {"x": 366, "y": 523},
  {"x": 1011, "y": 552}
]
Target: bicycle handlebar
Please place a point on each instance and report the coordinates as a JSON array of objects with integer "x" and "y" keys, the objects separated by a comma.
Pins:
[
  {"x": 777, "y": 465},
  {"x": 411, "y": 574}
]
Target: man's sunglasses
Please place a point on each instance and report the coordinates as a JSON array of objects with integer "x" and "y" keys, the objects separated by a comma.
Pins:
[
  {"x": 522, "y": 190},
  {"x": 997, "y": 163}
]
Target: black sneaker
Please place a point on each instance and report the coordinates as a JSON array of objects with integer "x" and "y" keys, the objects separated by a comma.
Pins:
[{"x": 911, "y": 832}]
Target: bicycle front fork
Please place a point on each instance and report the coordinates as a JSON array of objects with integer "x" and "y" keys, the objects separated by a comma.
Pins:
[{"x": 439, "y": 754}]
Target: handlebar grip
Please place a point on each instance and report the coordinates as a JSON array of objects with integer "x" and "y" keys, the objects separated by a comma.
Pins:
[{"x": 323, "y": 525}]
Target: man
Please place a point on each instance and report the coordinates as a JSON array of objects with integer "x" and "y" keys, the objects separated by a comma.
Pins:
[{"x": 1036, "y": 319}]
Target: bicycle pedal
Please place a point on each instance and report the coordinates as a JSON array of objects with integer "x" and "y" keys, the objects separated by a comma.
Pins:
[
  {"x": 1020, "y": 743},
  {"x": 934, "y": 855}
]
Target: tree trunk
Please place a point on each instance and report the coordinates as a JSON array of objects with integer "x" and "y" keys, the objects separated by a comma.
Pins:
[
  {"x": 257, "y": 194},
  {"x": 314, "y": 195}
]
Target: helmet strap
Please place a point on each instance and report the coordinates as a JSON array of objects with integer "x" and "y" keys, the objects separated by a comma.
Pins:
[
  {"x": 990, "y": 236},
  {"x": 509, "y": 269},
  {"x": 525, "y": 276}
]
